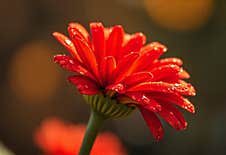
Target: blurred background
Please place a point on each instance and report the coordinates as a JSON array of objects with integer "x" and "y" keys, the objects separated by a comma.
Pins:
[{"x": 34, "y": 88}]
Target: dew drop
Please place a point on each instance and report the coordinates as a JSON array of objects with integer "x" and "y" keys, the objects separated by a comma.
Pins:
[
  {"x": 186, "y": 107},
  {"x": 145, "y": 99},
  {"x": 119, "y": 88},
  {"x": 71, "y": 61},
  {"x": 164, "y": 49},
  {"x": 68, "y": 42},
  {"x": 171, "y": 114},
  {"x": 156, "y": 48},
  {"x": 159, "y": 134},
  {"x": 158, "y": 137},
  {"x": 62, "y": 62}
]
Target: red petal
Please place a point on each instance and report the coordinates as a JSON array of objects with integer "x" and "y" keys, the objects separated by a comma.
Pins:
[
  {"x": 149, "y": 53},
  {"x": 189, "y": 88},
  {"x": 79, "y": 30},
  {"x": 168, "y": 61},
  {"x": 107, "y": 67},
  {"x": 154, "y": 46},
  {"x": 114, "y": 42},
  {"x": 123, "y": 68},
  {"x": 146, "y": 101},
  {"x": 86, "y": 55},
  {"x": 71, "y": 64},
  {"x": 126, "y": 38},
  {"x": 67, "y": 43},
  {"x": 134, "y": 44},
  {"x": 173, "y": 116},
  {"x": 153, "y": 123},
  {"x": 175, "y": 99},
  {"x": 165, "y": 71},
  {"x": 171, "y": 80},
  {"x": 119, "y": 88},
  {"x": 98, "y": 39},
  {"x": 183, "y": 74},
  {"x": 84, "y": 85},
  {"x": 107, "y": 31},
  {"x": 137, "y": 78},
  {"x": 181, "y": 88}
]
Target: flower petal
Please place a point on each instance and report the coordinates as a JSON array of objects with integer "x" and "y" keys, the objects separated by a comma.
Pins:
[
  {"x": 119, "y": 88},
  {"x": 123, "y": 68},
  {"x": 175, "y": 99},
  {"x": 86, "y": 54},
  {"x": 134, "y": 44},
  {"x": 137, "y": 78},
  {"x": 173, "y": 116},
  {"x": 107, "y": 67},
  {"x": 84, "y": 85},
  {"x": 68, "y": 44},
  {"x": 189, "y": 88},
  {"x": 98, "y": 40},
  {"x": 181, "y": 88},
  {"x": 183, "y": 74},
  {"x": 146, "y": 101},
  {"x": 153, "y": 123},
  {"x": 114, "y": 42},
  {"x": 149, "y": 53},
  {"x": 168, "y": 61},
  {"x": 79, "y": 30},
  {"x": 154, "y": 45},
  {"x": 107, "y": 32},
  {"x": 165, "y": 71},
  {"x": 71, "y": 64}
]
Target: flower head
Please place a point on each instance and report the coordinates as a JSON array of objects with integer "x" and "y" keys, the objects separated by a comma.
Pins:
[
  {"x": 55, "y": 137},
  {"x": 120, "y": 66}
]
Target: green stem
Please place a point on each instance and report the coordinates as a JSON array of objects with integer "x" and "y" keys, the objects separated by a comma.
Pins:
[{"x": 94, "y": 124}]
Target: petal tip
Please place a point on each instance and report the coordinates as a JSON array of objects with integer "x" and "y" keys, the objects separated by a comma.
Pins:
[
  {"x": 96, "y": 24},
  {"x": 57, "y": 35},
  {"x": 158, "y": 45},
  {"x": 159, "y": 135},
  {"x": 59, "y": 58}
]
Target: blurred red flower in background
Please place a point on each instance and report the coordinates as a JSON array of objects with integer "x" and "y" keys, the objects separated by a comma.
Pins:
[
  {"x": 55, "y": 137},
  {"x": 121, "y": 67}
]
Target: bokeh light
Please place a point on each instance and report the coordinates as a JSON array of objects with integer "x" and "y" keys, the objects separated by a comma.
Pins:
[
  {"x": 56, "y": 137},
  {"x": 182, "y": 15},
  {"x": 33, "y": 75},
  {"x": 4, "y": 150}
]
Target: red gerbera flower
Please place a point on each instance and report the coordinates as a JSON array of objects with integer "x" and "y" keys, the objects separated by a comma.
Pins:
[
  {"x": 55, "y": 137},
  {"x": 122, "y": 67}
]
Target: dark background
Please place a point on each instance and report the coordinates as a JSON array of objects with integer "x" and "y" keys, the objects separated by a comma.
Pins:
[{"x": 34, "y": 88}]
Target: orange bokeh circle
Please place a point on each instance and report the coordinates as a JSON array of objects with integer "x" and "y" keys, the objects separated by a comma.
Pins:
[
  {"x": 180, "y": 15},
  {"x": 32, "y": 74}
]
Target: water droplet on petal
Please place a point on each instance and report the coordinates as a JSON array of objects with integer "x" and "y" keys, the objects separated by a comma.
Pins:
[
  {"x": 62, "y": 62},
  {"x": 156, "y": 48},
  {"x": 71, "y": 61},
  {"x": 119, "y": 88},
  {"x": 145, "y": 99},
  {"x": 68, "y": 42},
  {"x": 171, "y": 114}
]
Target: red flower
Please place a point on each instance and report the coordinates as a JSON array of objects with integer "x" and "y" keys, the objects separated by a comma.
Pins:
[
  {"x": 55, "y": 137},
  {"x": 121, "y": 66}
]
